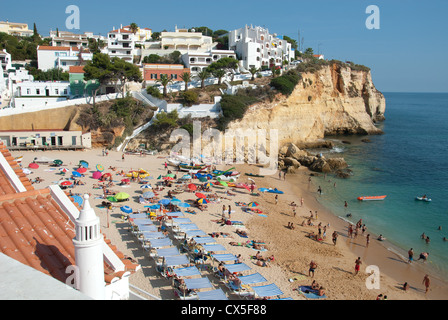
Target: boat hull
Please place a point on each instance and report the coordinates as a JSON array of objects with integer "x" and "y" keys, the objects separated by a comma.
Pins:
[{"x": 372, "y": 198}]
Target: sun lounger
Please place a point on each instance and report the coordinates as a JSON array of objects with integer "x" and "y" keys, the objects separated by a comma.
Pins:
[
  {"x": 217, "y": 294},
  {"x": 157, "y": 243},
  {"x": 270, "y": 290}
]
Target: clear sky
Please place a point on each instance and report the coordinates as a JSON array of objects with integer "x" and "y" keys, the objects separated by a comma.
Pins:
[{"x": 407, "y": 54}]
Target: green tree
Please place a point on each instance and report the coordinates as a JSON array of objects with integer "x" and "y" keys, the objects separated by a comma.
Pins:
[
  {"x": 253, "y": 71},
  {"x": 186, "y": 77},
  {"x": 155, "y": 36},
  {"x": 152, "y": 58},
  {"x": 134, "y": 27},
  {"x": 124, "y": 71},
  {"x": 100, "y": 69},
  {"x": 293, "y": 42},
  {"x": 219, "y": 73},
  {"x": 203, "y": 75},
  {"x": 164, "y": 81},
  {"x": 309, "y": 51}
]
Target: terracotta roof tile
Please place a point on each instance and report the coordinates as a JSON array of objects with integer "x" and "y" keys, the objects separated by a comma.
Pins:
[{"x": 37, "y": 232}]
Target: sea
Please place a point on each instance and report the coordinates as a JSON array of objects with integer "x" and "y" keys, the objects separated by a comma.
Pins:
[{"x": 410, "y": 159}]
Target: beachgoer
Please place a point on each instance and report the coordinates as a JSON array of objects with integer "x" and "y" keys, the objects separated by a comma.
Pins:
[
  {"x": 313, "y": 266},
  {"x": 301, "y": 202},
  {"x": 321, "y": 292},
  {"x": 367, "y": 240},
  {"x": 345, "y": 204},
  {"x": 427, "y": 282},
  {"x": 406, "y": 286},
  {"x": 357, "y": 265},
  {"x": 423, "y": 256},
  {"x": 122, "y": 157},
  {"x": 410, "y": 255},
  {"x": 276, "y": 199},
  {"x": 335, "y": 237},
  {"x": 379, "y": 297},
  {"x": 427, "y": 240},
  {"x": 319, "y": 190}
]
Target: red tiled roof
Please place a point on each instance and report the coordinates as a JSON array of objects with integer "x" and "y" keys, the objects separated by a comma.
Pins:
[
  {"x": 35, "y": 231},
  {"x": 56, "y": 48},
  {"x": 76, "y": 69},
  {"x": 121, "y": 31}
]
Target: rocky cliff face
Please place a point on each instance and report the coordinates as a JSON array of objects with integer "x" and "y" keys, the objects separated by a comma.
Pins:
[{"x": 335, "y": 100}]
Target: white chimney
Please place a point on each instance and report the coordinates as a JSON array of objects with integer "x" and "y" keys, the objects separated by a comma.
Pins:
[{"x": 89, "y": 260}]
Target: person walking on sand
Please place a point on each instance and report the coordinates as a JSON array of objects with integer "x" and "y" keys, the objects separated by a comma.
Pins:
[
  {"x": 284, "y": 175},
  {"x": 367, "y": 240},
  {"x": 280, "y": 175},
  {"x": 410, "y": 255},
  {"x": 335, "y": 237},
  {"x": 426, "y": 282},
  {"x": 313, "y": 266},
  {"x": 301, "y": 201},
  {"x": 122, "y": 157},
  {"x": 276, "y": 199},
  {"x": 357, "y": 265}
]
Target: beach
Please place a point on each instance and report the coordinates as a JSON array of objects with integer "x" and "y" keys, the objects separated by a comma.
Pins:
[{"x": 292, "y": 250}]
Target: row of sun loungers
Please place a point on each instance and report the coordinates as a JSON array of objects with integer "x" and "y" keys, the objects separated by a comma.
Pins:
[{"x": 201, "y": 251}]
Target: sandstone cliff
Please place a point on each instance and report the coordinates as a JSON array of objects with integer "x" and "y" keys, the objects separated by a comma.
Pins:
[{"x": 335, "y": 100}]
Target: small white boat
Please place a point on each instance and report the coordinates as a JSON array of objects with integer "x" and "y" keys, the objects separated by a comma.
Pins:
[{"x": 423, "y": 199}]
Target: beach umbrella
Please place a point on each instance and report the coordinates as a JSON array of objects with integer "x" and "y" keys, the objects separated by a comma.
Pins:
[
  {"x": 202, "y": 179},
  {"x": 153, "y": 207},
  {"x": 126, "y": 209},
  {"x": 175, "y": 202},
  {"x": 107, "y": 175},
  {"x": 33, "y": 165},
  {"x": 96, "y": 175},
  {"x": 84, "y": 163},
  {"x": 112, "y": 199},
  {"x": 122, "y": 196},
  {"x": 208, "y": 184},
  {"x": 57, "y": 162},
  {"x": 183, "y": 205},
  {"x": 186, "y": 177},
  {"x": 168, "y": 178},
  {"x": 159, "y": 177},
  {"x": 100, "y": 167},
  {"x": 192, "y": 187},
  {"x": 65, "y": 183},
  {"x": 202, "y": 201},
  {"x": 65, "y": 170},
  {"x": 146, "y": 186},
  {"x": 200, "y": 195},
  {"x": 148, "y": 195},
  {"x": 126, "y": 181},
  {"x": 76, "y": 174},
  {"x": 79, "y": 200},
  {"x": 171, "y": 175},
  {"x": 253, "y": 204},
  {"x": 81, "y": 170},
  {"x": 165, "y": 201}
]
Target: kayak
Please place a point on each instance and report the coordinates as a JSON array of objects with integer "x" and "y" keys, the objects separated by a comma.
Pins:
[
  {"x": 423, "y": 199},
  {"x": 371, "y": 198}
]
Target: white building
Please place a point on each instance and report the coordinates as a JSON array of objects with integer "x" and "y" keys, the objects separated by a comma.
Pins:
[
  {"x": 198, "y": 61},
  {"x": 184, "y": 41},
  {"x": 68, "y": 39},
  {"x": 141, "y": 35},
  {"x": 42, "y": 89},
  {"x": 15, "y": 28},
  {"x": 256, "y": 47},
  {"x": 121, "y": 44},
  {"x": 49, "y": 57}
]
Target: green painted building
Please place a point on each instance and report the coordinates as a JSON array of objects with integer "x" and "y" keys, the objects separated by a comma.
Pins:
[{"x": 78, "y": 86}]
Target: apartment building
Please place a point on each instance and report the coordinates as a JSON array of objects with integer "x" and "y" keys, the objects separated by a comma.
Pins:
[{"x": 49, "y": 57}]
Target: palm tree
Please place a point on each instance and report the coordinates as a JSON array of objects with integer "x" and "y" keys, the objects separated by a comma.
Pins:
[
  {"x": 219, "y": 73},
  {"x": 164, "y": 81},
  {"x": 253, "y": 71},
  {"x": 134, "y": 27},
  {"x": 186, "y": 77},
  {"x": 203, "y": 75}
]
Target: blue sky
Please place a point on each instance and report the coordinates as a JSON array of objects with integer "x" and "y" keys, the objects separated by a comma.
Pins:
[{"x": 407, "y": 54}]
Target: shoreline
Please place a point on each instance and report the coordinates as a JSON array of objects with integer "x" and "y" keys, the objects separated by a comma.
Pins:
[
  {"x": 386, "y": 255},
  {"x": 291, "y": 249}
]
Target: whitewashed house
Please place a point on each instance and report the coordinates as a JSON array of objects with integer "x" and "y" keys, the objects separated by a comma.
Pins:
[
  {"x": 121, "y": 44},
  {"x": 49, "y": 57},
  {"x": 256, "y": 47},
  {"x": 198, "y": 61}
]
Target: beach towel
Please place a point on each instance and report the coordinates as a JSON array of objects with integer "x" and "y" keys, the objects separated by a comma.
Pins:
[
  {"x": 263, "y": 215},
  {"x": 310, "y": 293}
]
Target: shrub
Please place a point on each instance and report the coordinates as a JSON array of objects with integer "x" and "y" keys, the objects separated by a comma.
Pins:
[
  {"x": 190, "y": 98},
  {"x": 286, "y": 83},
  {"x": 233, "y": 108},
  {"x": 154, "y": 92}
]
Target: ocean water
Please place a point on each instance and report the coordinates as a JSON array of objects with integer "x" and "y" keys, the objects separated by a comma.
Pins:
[{"x": 409, "y": 160}]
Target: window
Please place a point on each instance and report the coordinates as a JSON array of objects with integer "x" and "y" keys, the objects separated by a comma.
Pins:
[
  {"x": 192, "y": 60},
  {"x": 28, "y": 91},
  {"x": 56, "y": 91},
  {"x": 114, "y": 51},
  {"x": 153, "y": 75},
  {"x": 128, "y": 52},
  {"x": 37, "y": 91},
  {"x": 174, "y": 76},
  {"x": 65, "y": 91},
  {"x": 208, "y": 60}
]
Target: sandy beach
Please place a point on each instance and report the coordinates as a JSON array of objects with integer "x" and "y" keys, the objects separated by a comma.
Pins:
[{"x": 292, "y": 250}]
